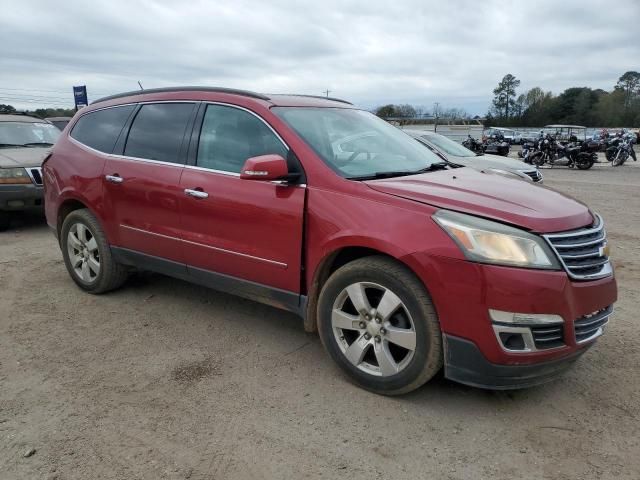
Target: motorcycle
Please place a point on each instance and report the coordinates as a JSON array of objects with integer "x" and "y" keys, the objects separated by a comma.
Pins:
[
  {"x": 623, "y": 150},
  {"x": 619, "y": 148},
  {"x": 473, "y": 145},
  {"x": 527, "y": 152},
  {"x": 496, "y": 145},
  {"x": 575, "y": 154}
]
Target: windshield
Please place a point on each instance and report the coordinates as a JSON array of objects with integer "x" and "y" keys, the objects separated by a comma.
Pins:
[
  {"x": 26, "y": 134},
  {"x": 355, "y": 143},
  {"x": 448, "y": 146}
]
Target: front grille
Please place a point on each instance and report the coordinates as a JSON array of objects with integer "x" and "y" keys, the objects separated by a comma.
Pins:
[
  {"x": 548, "y": 336},
  {"x": 36, "y": 175},
  {"x": 535, "y": 175},
  {"x": 582, "y": 252},
  {"x": 591, "y": 326}
]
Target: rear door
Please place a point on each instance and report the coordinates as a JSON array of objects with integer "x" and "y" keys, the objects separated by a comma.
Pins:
[
  {"x": 244, "y": 229},
  {"x": 142, "y": 182}
]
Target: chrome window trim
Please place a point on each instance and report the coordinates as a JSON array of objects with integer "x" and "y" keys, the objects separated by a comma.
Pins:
[{"x": 218, "y": 249}]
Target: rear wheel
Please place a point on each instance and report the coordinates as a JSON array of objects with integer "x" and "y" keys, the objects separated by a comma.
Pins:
[
  {"x": 377, "y": 322},
  {"x": 87, "y": 254}
]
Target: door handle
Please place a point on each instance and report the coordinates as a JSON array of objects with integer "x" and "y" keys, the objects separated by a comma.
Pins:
[
  {"x": 195, "y": 193},
  {"x": 114, "y": 178}
]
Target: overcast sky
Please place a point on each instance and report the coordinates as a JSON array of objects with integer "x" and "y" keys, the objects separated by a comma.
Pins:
[{"x": 370, "y": 52}]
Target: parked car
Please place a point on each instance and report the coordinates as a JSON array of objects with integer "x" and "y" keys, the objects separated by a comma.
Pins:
[
  {"x": 506, "y": 134},
  {"x": 24, "y": 143},
  {"x": 59, "y": 122},
  {"x": 403, "y": 264},
  {"x": 455, "y": 153}
]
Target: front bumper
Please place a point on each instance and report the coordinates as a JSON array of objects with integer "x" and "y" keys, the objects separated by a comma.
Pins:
[
  {"x": 465, "y": 363},
  {"x": 21, "y": 197},
  {"x": 463, "y": 292}
]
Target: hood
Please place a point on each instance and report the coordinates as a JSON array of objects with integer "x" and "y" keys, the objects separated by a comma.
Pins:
[
  {"x": 509, "y": 200},
  {"x": 23, "y": 157},
  {"x": 491, "y": 161}
]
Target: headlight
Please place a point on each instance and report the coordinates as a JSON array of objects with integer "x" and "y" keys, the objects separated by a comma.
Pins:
[
  {"x": 485, "y": 241},
  {"x": 13, "y": 176}
]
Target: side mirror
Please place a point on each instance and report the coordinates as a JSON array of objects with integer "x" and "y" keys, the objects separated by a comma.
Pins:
[{"x": 265, "y": 167}]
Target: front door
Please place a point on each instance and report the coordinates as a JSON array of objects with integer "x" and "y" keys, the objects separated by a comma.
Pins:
[
  {"x": 142, "y": 186},
  {"x": 244, "y": 229}
]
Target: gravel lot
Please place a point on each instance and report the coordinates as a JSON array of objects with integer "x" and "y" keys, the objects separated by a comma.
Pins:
[{"x": 163, "y": 379}]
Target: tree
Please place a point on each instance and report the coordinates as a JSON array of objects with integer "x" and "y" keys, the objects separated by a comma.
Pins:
[
  {"x": 504, "y": 96},
  {"x": 629, "y": 83},
  {"x": 7, "y": 109},
  {"x": 386, "y": 111}
]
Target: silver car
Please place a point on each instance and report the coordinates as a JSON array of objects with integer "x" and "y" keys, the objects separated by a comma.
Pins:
[
  {"x": 455, "y": 153},
  {"x": 24, "y": 143}
]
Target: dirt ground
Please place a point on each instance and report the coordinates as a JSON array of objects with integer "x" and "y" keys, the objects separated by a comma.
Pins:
[{"x": 163, "y": 379}]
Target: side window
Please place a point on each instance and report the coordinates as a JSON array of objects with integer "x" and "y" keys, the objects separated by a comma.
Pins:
[
  {"x": 100, "y": 129},
  {"x": 229, "y": 136},
  {"x": 158, "y": 130}
]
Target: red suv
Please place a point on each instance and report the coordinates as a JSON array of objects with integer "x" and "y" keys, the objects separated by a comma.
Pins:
[{"x": 403, "y": 263}]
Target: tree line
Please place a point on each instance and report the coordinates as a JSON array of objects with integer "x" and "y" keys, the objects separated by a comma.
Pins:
[
  {"x": 619, "y": 107},
  {"x": 41, "y": 112}
]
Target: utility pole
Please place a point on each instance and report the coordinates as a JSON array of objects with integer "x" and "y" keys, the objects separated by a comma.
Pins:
[
  {"x": 436, "y": 106},
  {"x": 326, "y": 92}
]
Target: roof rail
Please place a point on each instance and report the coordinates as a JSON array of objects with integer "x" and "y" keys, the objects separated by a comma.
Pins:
[
  {"x": 232, "y": 91},
  {"x": 315, "y": 96}
]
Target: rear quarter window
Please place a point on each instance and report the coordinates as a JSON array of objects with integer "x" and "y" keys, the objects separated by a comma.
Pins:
[{"x": 100, "y": 129}]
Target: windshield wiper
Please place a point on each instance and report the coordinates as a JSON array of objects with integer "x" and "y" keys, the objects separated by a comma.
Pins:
[
  {"x": 37, "y": 144},
  {"x": 6, "y": 145},
  {"x": 403, "y": 173}
]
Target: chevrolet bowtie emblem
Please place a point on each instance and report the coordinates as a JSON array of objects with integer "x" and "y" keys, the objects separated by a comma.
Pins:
[{"x": 604, "y": 251}]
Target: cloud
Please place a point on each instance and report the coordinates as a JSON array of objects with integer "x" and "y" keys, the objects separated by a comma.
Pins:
[{"x": 371, "y": 52}]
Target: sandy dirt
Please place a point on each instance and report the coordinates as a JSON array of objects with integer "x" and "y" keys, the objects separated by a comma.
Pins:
[{"x": 166, "y": 380}]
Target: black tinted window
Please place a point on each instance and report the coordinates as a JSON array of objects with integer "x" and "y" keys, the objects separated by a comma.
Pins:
[
  {"x": 158, "y": 130},
  {"x": 229, "y": 136},
  {"x": 100, "y": 129}
]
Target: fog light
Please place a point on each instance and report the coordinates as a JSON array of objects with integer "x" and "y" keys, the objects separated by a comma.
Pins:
[
  {"x": 512, "y": 341},
  {"x": 524, "y": 318}
]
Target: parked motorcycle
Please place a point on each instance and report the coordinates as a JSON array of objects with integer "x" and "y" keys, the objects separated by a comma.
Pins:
[
  {"x": 619, "y": 153},
  {"x": 620, "y": 147},
  {"x": 473, "y": 145},
  {"x": 581, "y": 155},
  {"x": 496, "y": 145}
]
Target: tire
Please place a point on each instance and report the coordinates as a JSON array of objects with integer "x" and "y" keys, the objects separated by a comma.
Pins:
[
  {"x": 413, "y": 323},
  {"x": 5, "y": 220},
  {"x": 84, "y": 245},
  {"x": 537, "y": 159},
  {"x": 584, "y": 163}
]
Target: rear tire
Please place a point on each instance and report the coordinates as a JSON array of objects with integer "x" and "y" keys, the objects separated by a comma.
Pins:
[
  {"x": 377, "y": 322},
  {"x": 87, "y": 254}
]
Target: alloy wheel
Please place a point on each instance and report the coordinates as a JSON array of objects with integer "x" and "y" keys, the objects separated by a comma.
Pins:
[
  {"x": 373, "y": 328},
  {"x": 83, "y": 252}
]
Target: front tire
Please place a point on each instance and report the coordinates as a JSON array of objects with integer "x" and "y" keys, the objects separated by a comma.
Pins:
[
  {"x": 5, "y": 220},
  {"x": 377, "y": 322},
  {"x": 87, "y": 254}
]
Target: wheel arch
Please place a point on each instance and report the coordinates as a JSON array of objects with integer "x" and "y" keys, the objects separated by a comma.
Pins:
[{"x": 330, "y": 263}]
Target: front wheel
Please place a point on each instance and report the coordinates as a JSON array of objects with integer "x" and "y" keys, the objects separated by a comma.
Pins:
[
  {"x": 5, "y": 219},
  {"x": 377, "y": 322}
]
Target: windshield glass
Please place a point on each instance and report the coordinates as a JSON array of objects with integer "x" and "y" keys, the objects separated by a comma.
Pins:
[
  {"x": 449, "y": 146},
  {"x": 27, "y": 133},
  {"x": 355, "y": 143}
]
